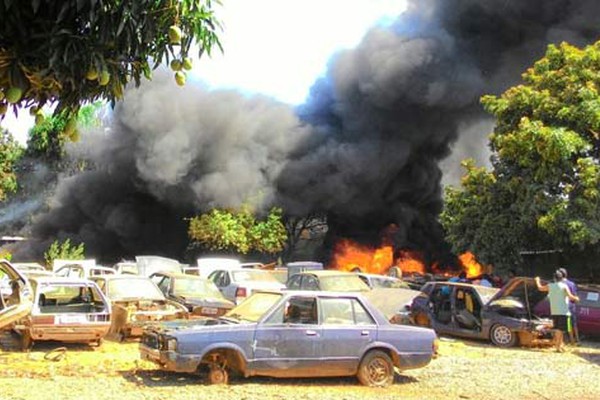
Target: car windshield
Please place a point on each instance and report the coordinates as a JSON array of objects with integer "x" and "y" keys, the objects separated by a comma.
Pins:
[
  {"x": 190, "y": 287},
  {"x": 254, "y": 307},
  {"x": 343, "y": 283},
  {"x": 252, "y": 275},
  {"x": 133, "y": 289},
  {"x": 486, "y": 293}
]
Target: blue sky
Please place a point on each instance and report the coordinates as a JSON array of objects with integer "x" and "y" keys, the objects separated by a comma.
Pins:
[{"x": 276, "y": 47}]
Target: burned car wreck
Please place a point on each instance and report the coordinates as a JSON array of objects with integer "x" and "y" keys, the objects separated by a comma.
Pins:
[
  {"x": 503, "y": 316},
  {"x": 136, "y": 301}
]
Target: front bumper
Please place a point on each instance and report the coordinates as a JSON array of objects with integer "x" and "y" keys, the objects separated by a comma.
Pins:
[{"x": 169, "y": 360}]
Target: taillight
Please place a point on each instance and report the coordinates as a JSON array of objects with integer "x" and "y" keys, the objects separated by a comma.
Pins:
[
  {"x": 435, "y": 347},
  {"x": 241, "y": 292}
]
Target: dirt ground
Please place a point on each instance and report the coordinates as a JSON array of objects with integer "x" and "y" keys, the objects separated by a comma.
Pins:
[{"x": 464, "y": 370}]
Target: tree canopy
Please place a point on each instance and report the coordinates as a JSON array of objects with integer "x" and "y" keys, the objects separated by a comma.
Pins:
[
  {"x": 239, "y": 230},
  {"x": 10, "y": 152},
  {"x": 76, "y": 51},
  {"x": 543, "y": 191}
]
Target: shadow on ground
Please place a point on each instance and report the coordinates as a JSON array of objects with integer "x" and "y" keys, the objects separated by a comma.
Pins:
[{"x": 157, "y": 378}]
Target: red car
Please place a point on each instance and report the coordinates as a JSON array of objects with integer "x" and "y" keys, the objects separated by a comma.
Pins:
[{"x": 588, "y": 310}]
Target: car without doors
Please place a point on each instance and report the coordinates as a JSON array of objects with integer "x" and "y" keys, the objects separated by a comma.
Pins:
[
  {"x": 16, "y": 295},
  {"x": 503, "y": 316},
  {"x": 136, "y": 301},
  {"x": 199, "y": 295},
  {"x": 293, "y": 334}
]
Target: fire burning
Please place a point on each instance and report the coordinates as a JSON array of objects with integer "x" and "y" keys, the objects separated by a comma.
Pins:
[{"x": 350, "y": 256}]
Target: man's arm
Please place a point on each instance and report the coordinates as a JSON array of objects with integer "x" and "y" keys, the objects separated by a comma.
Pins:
[
  {"x": 571, "y": 296},
  {"x": 541, "y": 288}
]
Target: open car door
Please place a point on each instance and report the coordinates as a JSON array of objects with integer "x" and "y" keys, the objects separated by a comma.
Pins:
[{"x": 15, "y": 295}]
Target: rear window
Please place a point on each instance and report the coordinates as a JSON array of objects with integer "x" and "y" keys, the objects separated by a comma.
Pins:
[{"x": 589, "y": 298}]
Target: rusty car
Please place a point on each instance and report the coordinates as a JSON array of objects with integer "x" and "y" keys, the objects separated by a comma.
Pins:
[
  {"x": 65, "y": 309},
  {"x": 199, "y": 295},
  {"x": 136, "y": 301},
  {"x": 16, "y": 295},
  {"x": 293, "y": 334},
  {"x": 503, "y": 316}
]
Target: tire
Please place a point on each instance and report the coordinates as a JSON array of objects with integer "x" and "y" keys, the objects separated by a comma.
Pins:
[
  {"x": 26, "y": 341},
  {"x": 217, "y": 376},
  {"x": 502, "y": 336},
  {"x": 376, "y": 369}
]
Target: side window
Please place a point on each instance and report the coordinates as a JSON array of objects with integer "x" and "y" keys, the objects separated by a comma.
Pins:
[
  {"x": 361, "y": 316},
  {"x": 225, "y": 279},
  {"x": 345, "y": 312},
  {"x": 294, "y": 282},
  {"x": 163, "y": 285},
  {"x": 310, "y": 283},
  {"x": 215, "y": 276},
  {"x": 301, "y": 310}
]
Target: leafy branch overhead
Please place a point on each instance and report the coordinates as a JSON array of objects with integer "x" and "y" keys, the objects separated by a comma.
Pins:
[{"x": 76, "y": 51}]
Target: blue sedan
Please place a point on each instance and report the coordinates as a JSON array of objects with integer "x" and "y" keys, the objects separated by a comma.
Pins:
[{"x": 292, "y": 334}]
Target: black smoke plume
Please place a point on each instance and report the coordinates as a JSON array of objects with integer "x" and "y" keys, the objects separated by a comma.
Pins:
[{"x": 365, "y": 148}]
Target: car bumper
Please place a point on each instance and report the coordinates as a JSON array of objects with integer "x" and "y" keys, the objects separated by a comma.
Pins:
[
  {"x": 412, "y": 361},
  {"x": 169, "y": 360},
  {"x": 75, "y": 334}
]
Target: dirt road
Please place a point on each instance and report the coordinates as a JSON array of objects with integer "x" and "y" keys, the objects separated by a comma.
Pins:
[{"x": 464, "y": 370}]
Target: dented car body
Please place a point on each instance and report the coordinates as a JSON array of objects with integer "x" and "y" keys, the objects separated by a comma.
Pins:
[
  {"x": 65, "y": 309},
  {"x": 293, "y": 334},
  {"x": 136, "y": 301},
  {"x": 503, "y": 316},
  {"x": 16, "y": 295}
]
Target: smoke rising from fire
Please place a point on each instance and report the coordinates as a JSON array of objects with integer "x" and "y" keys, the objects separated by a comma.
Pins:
[{"x": 365, "y": 148}]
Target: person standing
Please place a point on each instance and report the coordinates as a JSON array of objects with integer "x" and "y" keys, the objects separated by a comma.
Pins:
[
  {"x": 574, "y": 335},
  {"x": 559, "y": 295}
]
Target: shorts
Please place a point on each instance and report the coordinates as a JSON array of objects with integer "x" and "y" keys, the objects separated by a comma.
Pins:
[{"x": 562, "y": 322}]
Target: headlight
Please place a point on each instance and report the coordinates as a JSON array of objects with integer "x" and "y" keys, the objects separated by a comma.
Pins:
[{"x": 172, "y": 344}]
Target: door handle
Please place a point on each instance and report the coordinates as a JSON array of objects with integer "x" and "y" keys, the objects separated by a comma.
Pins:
[
  {"x": 310, "y": 332},
  {"x": 364, "y": 333}
]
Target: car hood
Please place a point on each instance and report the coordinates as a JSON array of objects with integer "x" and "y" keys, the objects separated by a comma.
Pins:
[
  {"x": 390, "y": 301},
  {"x": 518, "y": 292},
  {"x": 207, "y": 301}
]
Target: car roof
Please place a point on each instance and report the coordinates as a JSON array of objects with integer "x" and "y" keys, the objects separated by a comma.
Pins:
[
  {"x": 325, "y": 272},
  {"x": 59, "y": 279},
  {"x": 312, "y": 293},
  {"x": 377, "y": 276},
  {"x": 119, "y": 276},
  {"x": 177, "y": 275}
]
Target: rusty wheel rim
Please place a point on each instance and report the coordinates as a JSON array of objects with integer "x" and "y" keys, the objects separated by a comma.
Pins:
[{"x": 378, "y": 371}]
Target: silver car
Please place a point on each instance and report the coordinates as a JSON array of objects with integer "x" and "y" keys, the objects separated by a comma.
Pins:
[{"x": 292, "y": 334}]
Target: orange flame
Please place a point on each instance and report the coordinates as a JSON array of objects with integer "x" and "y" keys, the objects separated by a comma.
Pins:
[
  {"x": 470, "y": 265},
  {"x": 349, "y": 255}
]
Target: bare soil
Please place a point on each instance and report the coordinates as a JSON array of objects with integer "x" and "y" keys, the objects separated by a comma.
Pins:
[{"x": 464, "y": 370}]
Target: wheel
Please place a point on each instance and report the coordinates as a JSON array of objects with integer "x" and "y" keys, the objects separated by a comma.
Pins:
[
  {"x": 502, "y": 336},
  {"x": 376, "y": 369},
  {"x": 218, "y": 376},
  {"x": 26, "y": 341}
]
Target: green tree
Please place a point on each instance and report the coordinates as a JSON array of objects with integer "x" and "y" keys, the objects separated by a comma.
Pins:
[
  {"x": 543, "y": 191},
  {"x": 64, "y": 251},
  {"x": 76, "y": 51},
  {"x": 10, "y": 153},
  {"x": 239, "y": 230}
]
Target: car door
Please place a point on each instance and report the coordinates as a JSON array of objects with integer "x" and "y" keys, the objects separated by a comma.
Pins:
[
  {"x": 15, "y": 295},
  {"x": 287, "y": 343},
  {"x": 347, "y": 329}
]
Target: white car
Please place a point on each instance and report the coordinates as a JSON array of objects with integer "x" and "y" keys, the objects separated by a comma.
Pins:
[{"x": 237, "y": 284}]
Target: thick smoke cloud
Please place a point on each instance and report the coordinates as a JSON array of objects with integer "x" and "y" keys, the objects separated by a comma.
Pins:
[{"x": 365, "y": 148}]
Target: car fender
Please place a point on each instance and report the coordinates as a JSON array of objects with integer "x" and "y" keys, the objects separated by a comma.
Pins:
[
  {"x": 391, "y": 350},
  {"x": 227, "y": 347}
]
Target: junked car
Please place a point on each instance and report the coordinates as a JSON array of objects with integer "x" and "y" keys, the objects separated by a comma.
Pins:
[
  {"x": 199, "y": 295},
  {"x": 293, "y": 334},
  {"x": 333, "y": 280},
  {"x": 136, "y": 301},
  {"x": 16, "y": 295},
  {"x": 382, "y": 281},
  {"x": 503, "y": 316},
  {"x": 237, "y": 284},
  {"x": 67, "y": 310}
]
